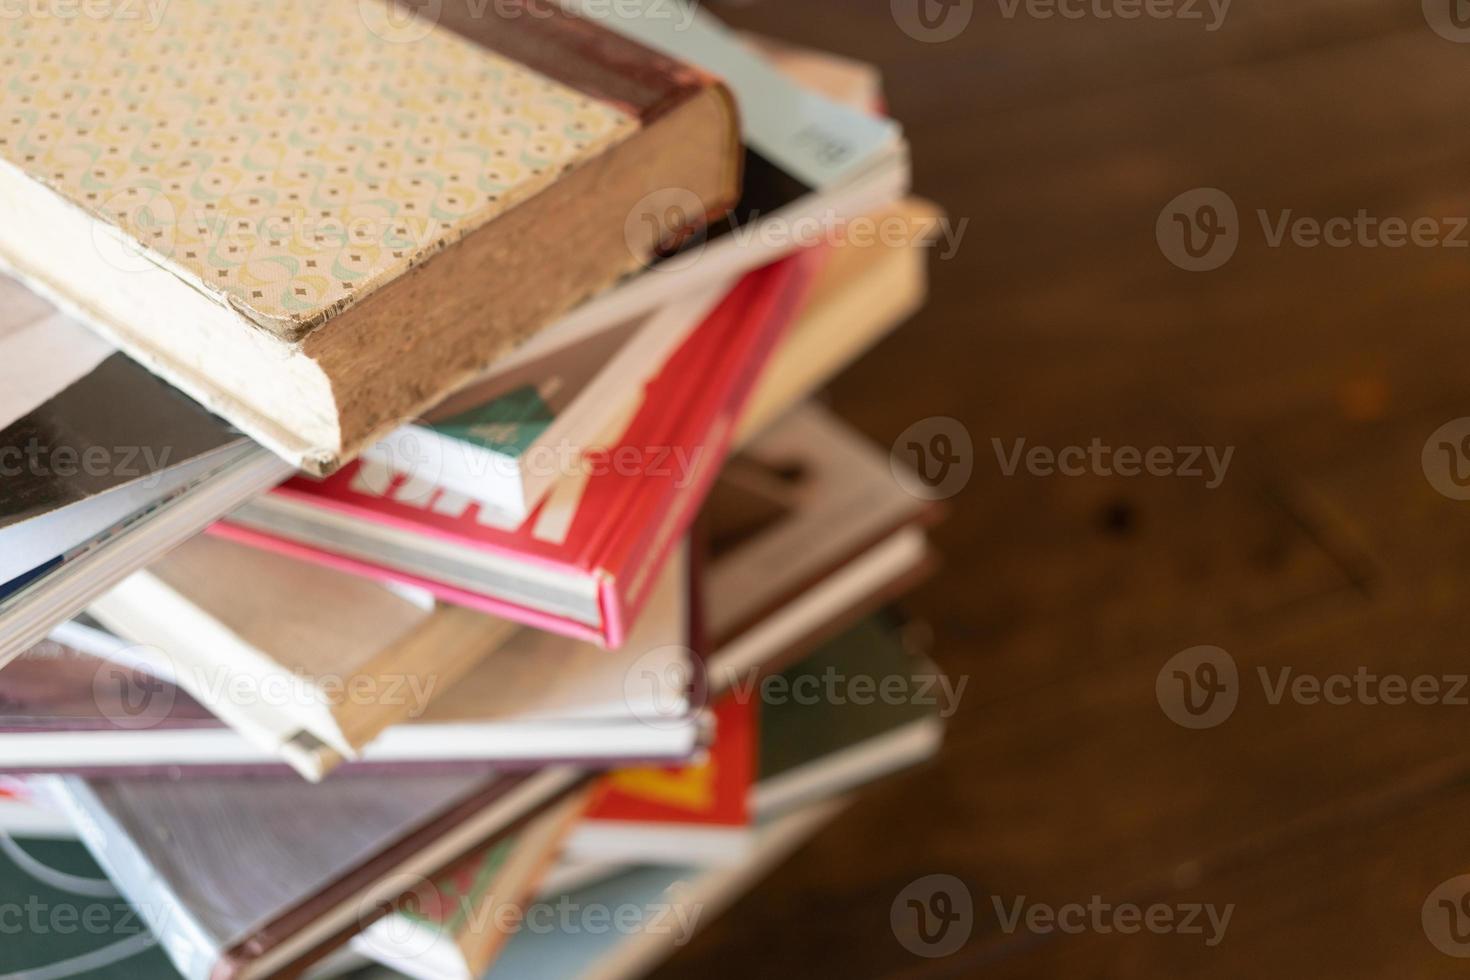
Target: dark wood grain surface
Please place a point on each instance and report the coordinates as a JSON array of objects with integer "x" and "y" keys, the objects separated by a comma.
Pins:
[{"x": 1325, "y": 551}]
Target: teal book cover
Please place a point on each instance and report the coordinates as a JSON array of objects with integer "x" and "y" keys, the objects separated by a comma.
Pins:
[
  {"x": 60, "y": 918},
  {"x": 509, "y": 425}
]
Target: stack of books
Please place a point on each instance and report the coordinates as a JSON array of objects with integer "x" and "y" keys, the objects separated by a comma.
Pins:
[{"x": 422, "y": 552}]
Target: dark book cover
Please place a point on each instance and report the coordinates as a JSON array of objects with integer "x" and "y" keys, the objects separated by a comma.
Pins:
[
  {"x": 67, "y": 920},
  {"x": 800, "y": 728}
]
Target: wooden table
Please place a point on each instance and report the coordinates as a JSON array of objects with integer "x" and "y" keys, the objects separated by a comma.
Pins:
[{"x": 1324, "y": 550}]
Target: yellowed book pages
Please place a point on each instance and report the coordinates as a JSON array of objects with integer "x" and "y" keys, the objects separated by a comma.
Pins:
[{"x": 301, "y": 659}]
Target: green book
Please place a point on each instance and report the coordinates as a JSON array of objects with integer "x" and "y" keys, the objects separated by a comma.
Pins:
[
  {"x": 60, "y": 918},
  {"x": 859, "y": 708},
  {"x": 507, "y": 441},
  {"x": 508, "y": 426}
]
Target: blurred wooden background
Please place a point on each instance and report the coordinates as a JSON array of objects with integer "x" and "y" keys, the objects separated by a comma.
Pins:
[{"x": 1324, "y": 550}]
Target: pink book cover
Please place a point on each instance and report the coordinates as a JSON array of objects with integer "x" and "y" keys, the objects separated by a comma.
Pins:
[{"x": 628, "y": 516}]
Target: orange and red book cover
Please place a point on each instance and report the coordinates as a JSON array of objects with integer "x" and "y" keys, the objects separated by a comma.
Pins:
[{"x": 713, "y": 792}]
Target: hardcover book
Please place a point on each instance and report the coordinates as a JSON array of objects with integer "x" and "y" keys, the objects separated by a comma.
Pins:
[
  {"x": 672, "y": 904},
  {"x": 89, "y": 493},
  {"x": 825, "y": 729},
  {"x": 453, "y": 926},
  {"x": 696, "y": 813},
  {"x": 811, "y": 162},
  {"x": 248, "y": 878},
  {"x": 85, "y": 929},
  {"x": 538, "y": 699},
  {"x": 808, "y": 531},
  {"x": 300, "y": 659},
  {"x": 864, "y": 292},
  {"x": 319, "y": 219},
  {"x": 854, "y": 733},
  {"x": 497, "y": 441},
  {"x": 584, "y": 562},
  {"x": 72, "y": 466}
]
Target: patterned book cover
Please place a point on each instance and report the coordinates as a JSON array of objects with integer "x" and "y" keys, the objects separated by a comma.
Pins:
[
  {"x": 191, "y": 160},
  {"x": 270, "y": 172}
]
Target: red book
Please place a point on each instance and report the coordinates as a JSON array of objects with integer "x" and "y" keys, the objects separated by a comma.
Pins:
[
  {"x": 697, "y": 814},
  {"x": 584, "y": 562}
]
